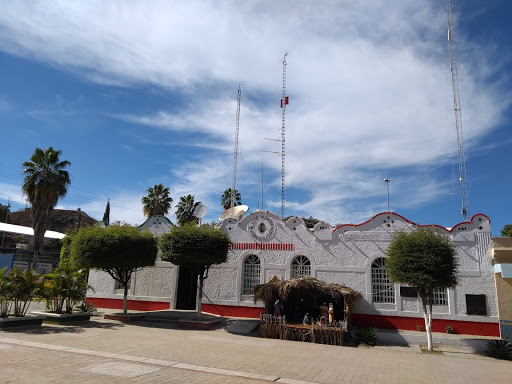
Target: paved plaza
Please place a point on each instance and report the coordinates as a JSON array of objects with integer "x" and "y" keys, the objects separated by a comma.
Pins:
[{"x": 105, "y": 351}]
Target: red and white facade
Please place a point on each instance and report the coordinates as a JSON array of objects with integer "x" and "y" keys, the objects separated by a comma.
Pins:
[{"x": 353, "y": 255}]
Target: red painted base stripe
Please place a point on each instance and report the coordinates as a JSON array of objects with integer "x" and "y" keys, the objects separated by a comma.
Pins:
[
  {"x": 232, "y": 311},
  {"x": 136, "y": 305},
  {"x": 438, "y": 325}
]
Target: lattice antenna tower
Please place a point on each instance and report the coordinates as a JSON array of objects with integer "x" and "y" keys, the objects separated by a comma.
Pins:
[
  {"x": 235, "y": 152},
  {"x": 458, "y": 116},
  {"x": 284, "y": 102}
]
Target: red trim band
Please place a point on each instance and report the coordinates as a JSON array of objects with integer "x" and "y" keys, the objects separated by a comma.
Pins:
[
  {"x": 262, "y": 246},
  {"x": 136, "y": 305},
  {"x": 438, "y": 325}
]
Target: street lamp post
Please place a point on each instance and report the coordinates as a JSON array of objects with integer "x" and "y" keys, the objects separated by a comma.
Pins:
[{"x": 387, "y": 180}]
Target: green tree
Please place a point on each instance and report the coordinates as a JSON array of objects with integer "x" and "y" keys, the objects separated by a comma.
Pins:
[
  {"x": 117, "y": 250},
  {"x": 423, "y": 259},
  {"x": 226, "y": 198},
  {"x": 46, "y": 180},
  {"x": 185, "y": 210},
  {"x": 507, "y": 230},
  {"x": 65, "y": 249},
  {"x": 4, "y": 212},
  {"x": 157, "y": 202},
  {"x": 196, "y": 248},
  {"x": 106, "y": 215}
]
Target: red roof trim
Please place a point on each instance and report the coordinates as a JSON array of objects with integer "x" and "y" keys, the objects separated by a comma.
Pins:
[{"x": 413, "y": 223}]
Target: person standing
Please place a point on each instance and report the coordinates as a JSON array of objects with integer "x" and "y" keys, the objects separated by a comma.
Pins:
[
  {"x": 277, "y": 308},
  {"x": 324, "y": 311}
]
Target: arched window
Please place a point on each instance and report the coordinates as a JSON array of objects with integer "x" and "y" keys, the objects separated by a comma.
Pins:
[
  {"x": 301, "y": 266},
  {"x": 251, "y": 274},
  {"x": 383, "y": 290}
]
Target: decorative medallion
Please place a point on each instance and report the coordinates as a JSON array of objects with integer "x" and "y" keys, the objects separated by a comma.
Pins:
[{"x": 262, "y": 228}]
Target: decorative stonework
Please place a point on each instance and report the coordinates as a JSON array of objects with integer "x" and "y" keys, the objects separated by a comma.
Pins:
[
  {"x": 262, "y": 228},
  {"x": 386, "y": 236}
]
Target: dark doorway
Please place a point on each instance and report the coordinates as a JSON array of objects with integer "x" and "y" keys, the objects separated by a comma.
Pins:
[{"x": 187, "y": 289}]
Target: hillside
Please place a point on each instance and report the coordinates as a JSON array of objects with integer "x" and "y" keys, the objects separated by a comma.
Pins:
[{"x": 61, "y": 220}]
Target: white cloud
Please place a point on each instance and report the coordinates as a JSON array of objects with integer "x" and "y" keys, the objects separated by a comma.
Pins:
[
  {"x": 12, "y": 192},
  {"x": 125, "y": 206},
  {"x": 369, "y": 86}
]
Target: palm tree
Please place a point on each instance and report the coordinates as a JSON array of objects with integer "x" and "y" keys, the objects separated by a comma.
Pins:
[
  {"x": 46, "y": 180},
  {"x": 185, "y": 210},
  {"x": 157, "y": 202},
  {"x": 225, "y": 199}
]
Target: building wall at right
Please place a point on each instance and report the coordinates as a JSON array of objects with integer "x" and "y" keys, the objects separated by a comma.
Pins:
[
  {"x": 504, "y": 291},
  {"x": 502, "y": 260}
]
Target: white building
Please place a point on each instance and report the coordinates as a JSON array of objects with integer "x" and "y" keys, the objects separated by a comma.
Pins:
[{"x": 353, "y": 255}]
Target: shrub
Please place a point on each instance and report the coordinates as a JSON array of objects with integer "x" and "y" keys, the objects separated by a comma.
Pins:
[
  {"x": 449, "y": 329},
  {"x": 419, "y": 328},
  {"x": 366, "y": 336},
  {"x": 499, "y": 349},
  {"x": 86, "y": 307},
  {"x": 63, "y": 288},
  {"x": 6, "y": 294},
  {"x": 25, "y": 286}
]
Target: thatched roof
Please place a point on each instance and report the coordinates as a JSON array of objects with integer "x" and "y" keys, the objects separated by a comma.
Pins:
[
  {"x": 301, "y": 286},
  {"x": 266, "y": 292}
]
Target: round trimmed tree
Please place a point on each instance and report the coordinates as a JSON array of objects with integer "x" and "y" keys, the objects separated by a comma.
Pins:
[
  {"x": 117, "y": 250},
  {"x": 195, "y": 248},
  {"x": 423, "y": 259}
]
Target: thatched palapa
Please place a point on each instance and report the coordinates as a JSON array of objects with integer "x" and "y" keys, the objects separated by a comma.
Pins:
[
  {"x": 303, "y": 286},
  {"x": 295, "y": 290}
]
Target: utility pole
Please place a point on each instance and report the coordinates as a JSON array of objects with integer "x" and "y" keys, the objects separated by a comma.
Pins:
[
  {"x": 387, "y": 180},
  {"x": 79, "y": 219}
]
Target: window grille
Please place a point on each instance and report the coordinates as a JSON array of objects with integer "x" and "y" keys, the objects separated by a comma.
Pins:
[
  {"x": 301, "y": 266},
  {"x": 383, "y": 291},
  {"x": 440, "y": 297},
  {"x": 251, "y": 274}
]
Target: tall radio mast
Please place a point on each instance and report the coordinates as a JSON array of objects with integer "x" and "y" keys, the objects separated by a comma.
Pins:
[
  {"x": 284, "y": 102},
  {"x": 458, "y": 116},
  {"x": 235, "y": 155}
]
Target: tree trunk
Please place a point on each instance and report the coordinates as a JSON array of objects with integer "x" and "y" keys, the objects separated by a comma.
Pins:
[
  {"x": 125, "y": 298},
  {"x": 428, "y": 323},
  {"x": 35, "y": 259},
  {"x": 200, "y": 295},
  {"x": 40, "y": 222}
]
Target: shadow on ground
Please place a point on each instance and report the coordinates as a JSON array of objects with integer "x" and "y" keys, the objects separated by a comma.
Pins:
[{"x": 46, "y": 329}]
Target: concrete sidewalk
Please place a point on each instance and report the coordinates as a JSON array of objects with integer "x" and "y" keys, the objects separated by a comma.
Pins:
[{"x": 105, "y": 351}]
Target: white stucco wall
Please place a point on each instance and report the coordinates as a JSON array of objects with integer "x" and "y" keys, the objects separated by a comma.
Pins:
[
  {"x": 346, "y": 257},
  {"x": 341, "y": 255}
]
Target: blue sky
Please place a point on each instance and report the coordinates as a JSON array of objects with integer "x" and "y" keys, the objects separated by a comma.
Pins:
[{"x": 138, "y": 93}]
